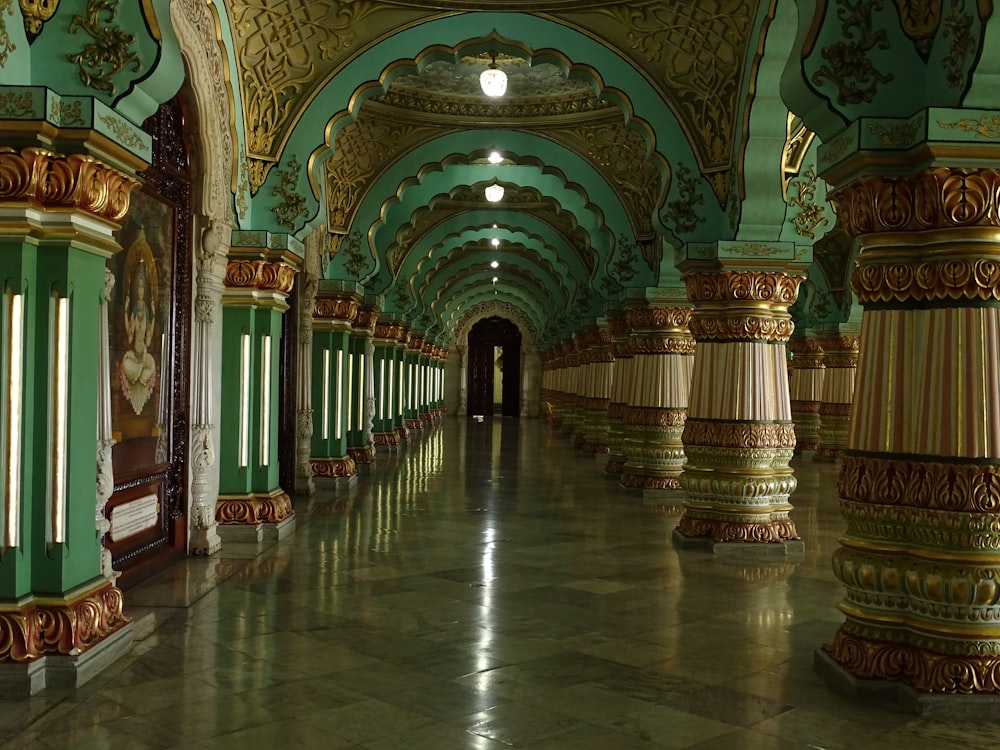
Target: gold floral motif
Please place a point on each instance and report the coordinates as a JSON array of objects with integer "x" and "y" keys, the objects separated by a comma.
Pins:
[
  {"x": 776, "y": 287},
  {"x": 897, "y": 136},
  {"x": 72, "y": 627},
  {"x": 681, "y": 211},
  {"x": 810, "y": 216},
  {"x": 805, "y": 407},
  {"x": 365, "y": 320},
  {"x": 333, "y": 468},
  {"x": 920, "y": 484},
  {"x": 109, "y": 54},
  {"x": 386, "y": 439},
  {"x": 919, "y": 526},
  {"x": 848, "y": 66},
  {"x": 6, "y": 44},
  {"x": 986, "y": 125},
  {"x": 68, "y": 114},
  {"x": 13, "y": 103},
  {"x": 53, "y": 180},
  {"x": 923, "y": 670},
  {"x": 802, "y": 347},
  {"x": 718, "y": 530},
  {"x": 741, "y": 328},
  {"x": 292, "y": 204},
  {"x": 833, "y": 361},
  {"x": 767, "y": 435},
  {"x": 635, "y": 479},
  {"x": 336, "y": 309},
  {"x": 614, "y": 465},
  {"x": 929, "y": 281},
  {"x": 958, "y": 27},
  {"x": 126, "y": 136},
  {"x": 260, "y": 275}
]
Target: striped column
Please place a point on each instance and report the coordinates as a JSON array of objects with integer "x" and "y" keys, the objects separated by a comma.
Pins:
[
  {"x": 920, "y": 480},
  {"x": 571, "y": 384},
  {"x": 805, "y": 387},
  {"x": 622, "y": 351},
  {"x": 739, "y": 434},
  {"x": 662, "y": 360},
  {"x": 601, "y": 363},
  {"x": 840, "y": 362}
]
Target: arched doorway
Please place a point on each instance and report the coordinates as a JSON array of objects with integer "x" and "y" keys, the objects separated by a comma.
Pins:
[{"x": 494, "y": 374}]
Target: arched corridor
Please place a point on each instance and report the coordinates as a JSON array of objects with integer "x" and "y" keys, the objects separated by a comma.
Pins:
[{"x": 486, "y": 587}]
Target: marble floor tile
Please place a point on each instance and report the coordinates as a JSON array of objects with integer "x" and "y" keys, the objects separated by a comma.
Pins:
[{"x": 487, "y": 587}]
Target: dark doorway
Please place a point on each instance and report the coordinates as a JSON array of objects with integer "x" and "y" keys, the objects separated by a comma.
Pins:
[{"x": 494, "y": 368}]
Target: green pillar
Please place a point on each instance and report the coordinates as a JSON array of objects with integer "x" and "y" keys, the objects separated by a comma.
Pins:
[
  {"x": 387, "y": 401},
  {"x": 61, "y": 619},
  {"x": 251, "y": 500},
  {"x": 411, "y": 397},
  {"x": 333, "y": 379}
]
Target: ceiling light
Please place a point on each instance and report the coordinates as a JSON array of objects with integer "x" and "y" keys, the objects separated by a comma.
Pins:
[
  {"x": 493, "y": 80},
  {"x": 495, "y": 242},
  {"x": 494, "y": 193},
  {"x": 496, "y": 279},
  {"x": 495, "y": 157},
  {"x": 494, "y": 264},
  {"x": 494, "y": 225}
]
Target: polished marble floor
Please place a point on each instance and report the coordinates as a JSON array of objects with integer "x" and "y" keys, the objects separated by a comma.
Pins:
[{"x": 488, "y": 587}]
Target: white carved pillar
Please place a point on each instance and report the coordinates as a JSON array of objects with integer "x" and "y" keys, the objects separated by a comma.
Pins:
[
  {"x": 304, "y": 484},
  {"x": 105, "y": 441},
  {"x": 206, "y": 338}
]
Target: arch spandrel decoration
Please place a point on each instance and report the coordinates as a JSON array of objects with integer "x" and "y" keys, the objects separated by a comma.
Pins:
[{"x": 495, "y": 309}]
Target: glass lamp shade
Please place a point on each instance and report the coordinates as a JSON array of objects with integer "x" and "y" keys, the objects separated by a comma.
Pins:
[
  {"x": 494, "y": 193},
  {"x": 493, "y": 82}
]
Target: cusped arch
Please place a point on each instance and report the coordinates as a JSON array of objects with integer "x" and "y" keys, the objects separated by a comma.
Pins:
[{"x": 494, "y": 308}]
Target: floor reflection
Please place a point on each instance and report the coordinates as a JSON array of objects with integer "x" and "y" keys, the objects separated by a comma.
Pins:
[{"x": 485, "y": 587}]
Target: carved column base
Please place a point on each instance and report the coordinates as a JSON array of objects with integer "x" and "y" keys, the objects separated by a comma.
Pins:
[
  {"x": 616, "y": 438},
  {"x": 615, "y": 464},
  {"x": 403, "y": 433},
  {"x": 654, "y": 452},
  {"x": 737, "y": 481},
  {"x": 386, "y": 440},
  {"x": 61, "y": 641},
  {"x": 250, "y": 510},
  {"x": 204, "y": 542},
  {"x": 365, "y": 455},
  {"x": 413, "y": 426},
  {"x": 834, "y": 424},
  {"x": 805, "y": 417},
  {"x": 425, "y": 419},
  {"x": 275, "y": 507},
  {"x": 343, "y": 467},
  {"x": 924, "y": 670}
]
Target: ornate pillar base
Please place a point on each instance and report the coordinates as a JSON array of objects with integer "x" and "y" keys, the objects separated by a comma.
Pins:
[
  {"x": 701, "y": 535},
  {"x": 341, "y": 468},
  {"x": 386, "y": 441},
  {"x": 901, "y": 696},
  {"x": 616, "y": 439},
  {"x": 835, "y": 421},
  {"x": 364, "y": 456},
  {"x": 413, "y": 427},
  {"x": 204, "y": 542},
  {"x": 62, "y": 642},
  {"x": 252, "y": 518},
  {"x": 805, "y": 417},
  {"x": 653, "y": 449},
  {"x": 403, "y": 433}
]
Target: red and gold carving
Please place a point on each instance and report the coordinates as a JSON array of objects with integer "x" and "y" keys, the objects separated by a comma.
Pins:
[
  {"x": 260, "y": 275},
  {"x": 41, "y": 177},
  {"x": 345, "y": 310},
  {"x": 776, "y": 287},
  {"x": 935, "y": 485},
  {"x": 403, "y": 433},
  {"x": 365, "y": 320},
  {"x": 924, "y": 670},
  {"x": 719, "y": 530},
  {"x": 801, "y": 346},
  {"x": 615, "y": 465},
  {"x": 741, "y": 327},
  {"x": 661, "y": 345},
  {"x": 388, "y": 330},
  {"x": 947, "y": 279},
  {"x": 806, "y": 407},
  {"x": 386, "y": 439},
  {"x": 659, "y": 319},
  {"x": 767, "y": 435},
  {"x": 938, "y": 198},
  {"x": 20, "y": 635},
  {"x": 412, "y": 425},
  {"x": 333, "y": 468},
  {"x": 648, "y": 416},
  {"x": 275, "y": 507},
  {"x": 241, "y": 510},
  {"x": 365, "y": 455}
]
